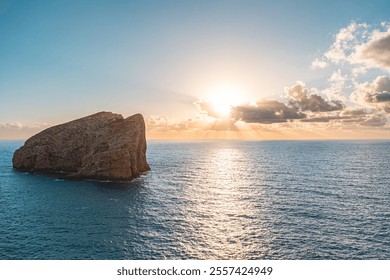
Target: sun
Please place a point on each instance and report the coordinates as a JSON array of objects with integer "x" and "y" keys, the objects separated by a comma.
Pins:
[{"x": 223, "y": 99}]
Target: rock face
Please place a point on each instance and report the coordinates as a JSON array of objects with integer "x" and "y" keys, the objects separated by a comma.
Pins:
[{"x": 100, "y": 146}]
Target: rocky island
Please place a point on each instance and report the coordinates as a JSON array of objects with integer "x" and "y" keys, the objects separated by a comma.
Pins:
[{"x": 100, "y": 146}]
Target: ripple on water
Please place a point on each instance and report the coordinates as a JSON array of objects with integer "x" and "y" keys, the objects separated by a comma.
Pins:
[{"x": 208, "y": 200}]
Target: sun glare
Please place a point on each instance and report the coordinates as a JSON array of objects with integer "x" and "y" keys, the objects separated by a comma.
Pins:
[{"x": 223, "y": 99}]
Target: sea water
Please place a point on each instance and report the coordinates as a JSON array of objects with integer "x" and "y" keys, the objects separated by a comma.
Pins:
[{"x": 208, "y": 200}]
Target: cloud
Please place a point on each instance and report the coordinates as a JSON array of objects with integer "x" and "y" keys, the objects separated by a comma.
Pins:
[
  {"x": 272, "y": 119},
  {"x": 205, "y": 107},
  {"x": 376, "y": 52},
  {"x": 338, "y": 82},
  {"x": 375, "y": 121},
  {"x": 346, "y": 40},
  {"x": 307, "y": 107},
  {"x": 267, "y": 112},
  {"x": 356, "y": 116},
  {"x": 350, "y": 119},
  {"x": 154, "y": 122},
  {"x": 301, "y": 98},
  {"x": 321, "y": 119},
  {"x": 352, "y": 113},
  {"x": 319, "y": 63},
  {"x": 14, "y": 125},
  {"x": 18, "y": 130},
  {"x": 361, "y": 46},
  {"x": 20, "y": 126},
  {"x": 358, "y": 49},
  {"x": 378, "y": 97},
  {"x": 159, "y": 124},
  {"x": 337, "y": 77},
  {"x": 375, "y": 94},
  {"x": 379, "y": 90}
]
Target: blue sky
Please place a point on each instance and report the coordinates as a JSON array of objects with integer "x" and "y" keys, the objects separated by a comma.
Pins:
[{"x": 65, "y": 59}]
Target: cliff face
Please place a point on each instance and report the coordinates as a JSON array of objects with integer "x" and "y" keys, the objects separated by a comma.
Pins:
[{"x": 99, "y": 146}]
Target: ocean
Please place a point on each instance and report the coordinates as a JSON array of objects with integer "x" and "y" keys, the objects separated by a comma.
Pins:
[{"x": 208, "y": 200}]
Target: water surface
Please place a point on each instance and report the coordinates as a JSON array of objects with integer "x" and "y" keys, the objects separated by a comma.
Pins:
[{"x": 208, "y": 200}]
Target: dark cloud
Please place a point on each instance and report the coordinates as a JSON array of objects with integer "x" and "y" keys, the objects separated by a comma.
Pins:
[
  {"x": 301, "y": 98},
  {"x": 378, "y": 91},
  {"x": 375, "y": 94},
  {"x": 374, "y": 121},
  {"x": 321, "y": 119},
  {"x": 353, "y": 113},
  {"x": 346, "y": 116},
  {"x": 267, "y": 112},
  {"x": 301, "y": 106},
  {"x": 377, "y": 97},
  {"x": 378, "y": 51},
  {"x": 382, "y": 84}
]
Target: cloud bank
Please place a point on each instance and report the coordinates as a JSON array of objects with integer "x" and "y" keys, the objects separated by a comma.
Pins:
[{"x": 266, "y": 112}]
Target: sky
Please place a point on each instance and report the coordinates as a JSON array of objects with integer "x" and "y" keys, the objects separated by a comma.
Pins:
[{"x": 215, "y": 69}]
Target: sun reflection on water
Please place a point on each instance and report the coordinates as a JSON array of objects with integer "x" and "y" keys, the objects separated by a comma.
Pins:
[{"x": 221, "y": 219}]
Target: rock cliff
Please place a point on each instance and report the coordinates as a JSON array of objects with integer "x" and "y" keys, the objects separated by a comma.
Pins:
[{"x": 100, "y": 146}]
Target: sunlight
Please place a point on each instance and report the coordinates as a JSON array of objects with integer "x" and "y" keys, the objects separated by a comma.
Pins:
[
  {"x": 219, "y": 204},
  {"x": 224, "y": 98}
]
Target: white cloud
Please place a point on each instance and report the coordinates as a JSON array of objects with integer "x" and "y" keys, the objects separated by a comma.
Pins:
[
  {"x": 15, "y": 125},
  {"x": 337, "y": 77},
  {"x": 337, "y": 86},
  {"x": 346, "y": 41},
  {"x": 318, "y": 64},
  {"x": 359, "y": 52},
  {"x": 18, "y": 130},
  {"x": 359, "y": 45}
]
